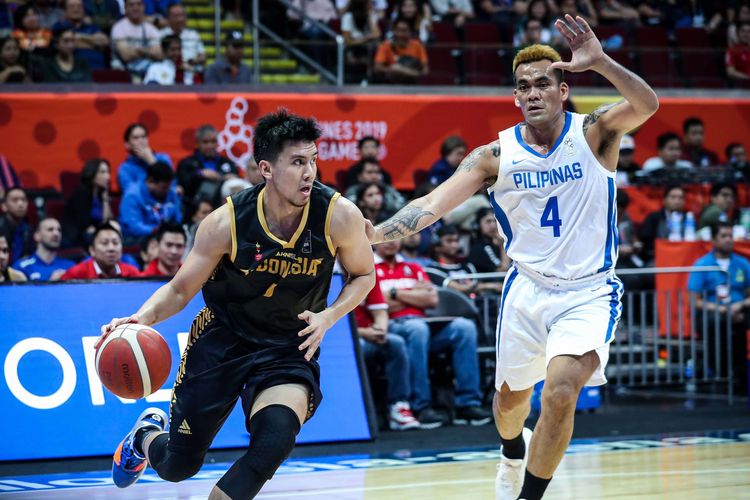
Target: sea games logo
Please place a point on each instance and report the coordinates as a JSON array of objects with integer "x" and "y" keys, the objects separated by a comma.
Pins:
[{"x": 236, "y": 140}]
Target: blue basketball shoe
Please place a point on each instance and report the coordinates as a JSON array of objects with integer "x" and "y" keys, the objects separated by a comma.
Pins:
[{"x": 127, "y": 463}]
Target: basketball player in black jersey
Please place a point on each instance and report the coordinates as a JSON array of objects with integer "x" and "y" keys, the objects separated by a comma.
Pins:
[{"x": 264, "y": 261}]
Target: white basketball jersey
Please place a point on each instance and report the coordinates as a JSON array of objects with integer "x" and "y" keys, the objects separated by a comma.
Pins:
[{"x": 557, "y": 212}]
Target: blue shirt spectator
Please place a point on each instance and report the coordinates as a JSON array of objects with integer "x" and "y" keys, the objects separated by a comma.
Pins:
[
  {"x": 90, "y": 41},
  {"x": 44, "y": 264},
  {"x": 103, "y": 13},
  {"x": 147, "y": 205},
  {"x": 140, "y": 157},
  {"x": 452, "y": 151}
]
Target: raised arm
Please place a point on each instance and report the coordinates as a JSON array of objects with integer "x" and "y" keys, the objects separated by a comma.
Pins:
[
  {"x": 477, "y": 169},
  {"x": 605, "y": 126}
]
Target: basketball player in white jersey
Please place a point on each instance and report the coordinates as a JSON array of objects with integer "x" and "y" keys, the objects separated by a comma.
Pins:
[{"x": 551, "y": 183}]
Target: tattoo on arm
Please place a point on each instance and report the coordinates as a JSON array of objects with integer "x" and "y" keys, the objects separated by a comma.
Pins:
[
  {"x": 594, "y": 116},
  {"x": 473, "y": 158},
  {"x": 404, "y": 223}
]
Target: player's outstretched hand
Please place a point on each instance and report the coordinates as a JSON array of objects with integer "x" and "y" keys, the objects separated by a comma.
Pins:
[
  {"x": 317, "y": 325},
  {"x": 107, "y": 329},
  {"x": 586, "y": 48}
]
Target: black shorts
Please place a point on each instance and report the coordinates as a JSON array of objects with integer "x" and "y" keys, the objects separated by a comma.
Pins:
[{"x": 218, "y": 367}]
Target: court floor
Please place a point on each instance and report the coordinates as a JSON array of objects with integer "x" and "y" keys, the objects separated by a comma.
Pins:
[{"x": 678, "y": 467}]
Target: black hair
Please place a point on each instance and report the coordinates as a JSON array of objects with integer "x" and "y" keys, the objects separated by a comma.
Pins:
[
  {"x": 105, "y": 226},
  {"x": 367, "y": 138},
  {"x": 195, "y": 205},
  {"x": 530, "y": 20},
  {"x": 168, "y": 40},
  {"x": 364, "y": 187},
  {"x": 15, "y": 188},
  {"x": 722, "y": 224},
  {"x": 730, "y": 147},
  {"x": 131, "y": 128},
  {"x": 450, "y": 143},
  {"x": 58, "y": 32},
  {"x": 169, "y": 227},
  {"x": 21, "y": 12},
  {"x": 690, "y": 122},
  {"x": 146, "y": 241},
  {"x": 160, "y": 172},
  {"x": 404, "y": 20},
  {"x": 447, "y": 229},
  {"x": 665, "y": 138},
  {"x": 721, "y": 185},
  {"x": 89, "y": 171},
  {"x": 275, "y": 130},
  {"x": 672, "y": 187}
]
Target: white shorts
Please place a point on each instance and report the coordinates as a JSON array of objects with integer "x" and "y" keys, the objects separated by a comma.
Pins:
[{"x": 537, "y": 323}]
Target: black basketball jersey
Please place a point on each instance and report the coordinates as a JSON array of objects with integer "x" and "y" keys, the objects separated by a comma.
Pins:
[{"x": 260, "y": 288}]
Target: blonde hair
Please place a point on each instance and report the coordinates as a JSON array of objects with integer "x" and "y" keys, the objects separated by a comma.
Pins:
[{"x": 534, "y": 53}]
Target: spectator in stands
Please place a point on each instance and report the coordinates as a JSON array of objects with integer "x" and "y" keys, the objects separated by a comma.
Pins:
[
  {"x": 741, "y": 15},
  {"x": 103, "y": 13},
  {"x": 722, "y": 206},
  {"x": 145, "y": 206},
  {"x": 29, "y": 32},
  {"x": 7, "y": 273},
  {"x": 737, "y": 58},
  {"x": 89, "y": 205},
  {"x": 693, "y": 137},
  {"x": 656, "y": 224},
  {"x": 670, "y": 151},
  {"x": 171, "y": 241},
  {"x": 736, "y": 161},
  {"x": 156, "y": 11},
  {"x": 409, "y": 293},
  {"x": 372, "y": 327},
  {"x": 487, "y": 253},
  {"x": 232, "y": 186},
  {"x": 627, "y": 168},
  {"x": 199, "y": 210},
  {"x": 371, "y": 172},
  {"x": 135, "y": 41},
  {"x": 106, "y": 258},
  {"x": 725, "y": 296},
  {"x": 193, "y": 51},
  {"x": 464, "y": 215},
  {"x": 378, "y": 6},
  {"x": 402, "y": 59},
  {"x": 50, "y": 12},
  {"x": 369, "y": 199},
  {"x": 583, "y": 8},
  {"x": 542, "y": 11},
  {"x": 90, "y": 42},
  {"x": 359, "y": 26},
  {"x": 315, "y": 39},
  {"x": 202, "y": 174},
  {"x": 147, "y": 250},
  {"x": 8, "y": 176},
  {"x": 531, "y": 35},
  {"x": 230, "y": 69},
  {"x": 447, "y": 253},
  {"x": 629, "y": 246},
  {"x": 65, "y": 67},
  {"x": 618, "y": 13},
  {"x": 410, "y": 251},
  {"x": 44, "y": 264},
  {"x": 172, "y": 70},
  {"x": 456, "y": 12},
  {"x": 14, "y": 223},
  {"x": 368, "y": 148},
  {"x": 252, "y": 172},
  {"x": 452, "y": 151},
  {"x": 140, "y": 157},
  {"x": 418, "y": 15},
  {"x": 12, "y": 66}
]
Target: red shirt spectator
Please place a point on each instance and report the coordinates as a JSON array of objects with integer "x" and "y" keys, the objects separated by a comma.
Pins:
[
  {"x": 738, "y": 56},
  {"x": 372, "y": 302},
  {"x": 171, "y": 245},
  {"x": 400, "y": 276},
  {"x": 90, "y": 270}
]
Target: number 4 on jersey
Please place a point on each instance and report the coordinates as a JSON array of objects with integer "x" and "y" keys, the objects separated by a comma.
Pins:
[{"x": 551, "y": 217}]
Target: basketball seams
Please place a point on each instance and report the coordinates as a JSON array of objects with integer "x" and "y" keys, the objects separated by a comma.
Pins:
[{"x": 131, "y": 336}]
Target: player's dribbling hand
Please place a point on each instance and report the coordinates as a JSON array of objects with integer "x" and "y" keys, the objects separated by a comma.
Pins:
[
  {"x": 107, "y": 329},
  {"x": 317, "y": 325}
]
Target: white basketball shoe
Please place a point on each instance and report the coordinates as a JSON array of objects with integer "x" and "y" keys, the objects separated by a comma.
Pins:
[{"x": 510, "y": 472}]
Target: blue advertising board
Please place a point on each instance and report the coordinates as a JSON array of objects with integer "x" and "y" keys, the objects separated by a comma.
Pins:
[{"x": 53, "y": 404}]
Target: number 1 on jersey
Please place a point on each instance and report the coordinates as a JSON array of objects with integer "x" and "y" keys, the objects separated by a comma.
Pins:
[{"x": 551, "y": 217}]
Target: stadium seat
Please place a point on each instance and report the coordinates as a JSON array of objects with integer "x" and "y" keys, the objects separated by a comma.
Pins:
[
  {"x": 484, "y": 66},
  {"x": 444, "y": 32},
  {"x": 703, "y": 67},
  {"x": 443, "y": 68},
  {"x": 69, "y": 181},
  {"x": 110, "y": 76},
  {"x": 481, "y": 33},
  {"x": 55, "y": 207}
]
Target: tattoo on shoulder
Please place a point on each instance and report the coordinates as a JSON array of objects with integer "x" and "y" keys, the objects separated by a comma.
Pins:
[
  {"x": 594, "y": 116},
  {"x": 473, "y": 158},
  {"x": 403, "y": 223}
]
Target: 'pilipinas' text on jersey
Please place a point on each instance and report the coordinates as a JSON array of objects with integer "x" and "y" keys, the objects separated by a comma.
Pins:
[
  {"x": 557, "y": 212},
  {"x": 260, "y": 288}
]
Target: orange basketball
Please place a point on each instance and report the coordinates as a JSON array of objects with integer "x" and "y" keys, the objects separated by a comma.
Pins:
[{"x": 133, "y": 361}]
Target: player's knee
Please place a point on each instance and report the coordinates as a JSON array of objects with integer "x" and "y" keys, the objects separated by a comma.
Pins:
[
  {"x": 273, "y": 431},
  {"x": 559, "y": 397},
  {"x": 180, "y": 467},
  {"x": 507, "y": 402}
]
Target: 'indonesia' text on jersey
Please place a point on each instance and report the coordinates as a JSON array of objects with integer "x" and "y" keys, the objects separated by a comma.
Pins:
[{"x": 557, "y": 212}]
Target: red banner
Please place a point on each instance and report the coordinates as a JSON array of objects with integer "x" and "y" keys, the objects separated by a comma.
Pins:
[{"x": 43, "y": 134}]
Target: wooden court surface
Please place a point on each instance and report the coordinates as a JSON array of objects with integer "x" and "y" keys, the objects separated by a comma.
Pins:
[{"x": 685, "y": 472}]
